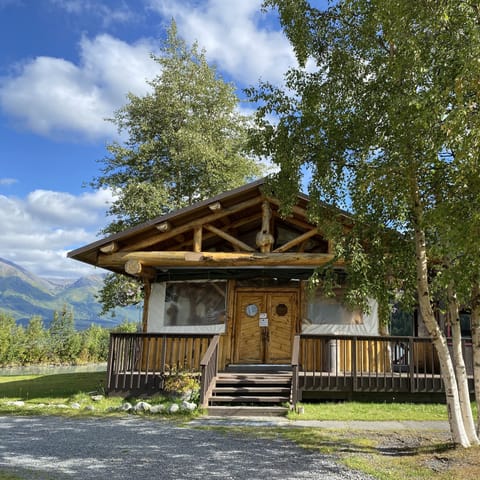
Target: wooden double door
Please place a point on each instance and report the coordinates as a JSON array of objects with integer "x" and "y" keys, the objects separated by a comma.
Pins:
[{"x": 265, "y": 323}]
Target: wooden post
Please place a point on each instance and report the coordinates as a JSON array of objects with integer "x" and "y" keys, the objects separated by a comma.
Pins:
[
  {"x": 411, "y": 364},
  {"x": 354, "y": 364},
  {"x": 264, "y": 238},
  {"x": 147, "y": 290},
  {"x": 197, "y": 239}
]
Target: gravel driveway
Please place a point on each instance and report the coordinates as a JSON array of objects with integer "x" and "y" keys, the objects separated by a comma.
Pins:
[{"x": 138, "y": 449}]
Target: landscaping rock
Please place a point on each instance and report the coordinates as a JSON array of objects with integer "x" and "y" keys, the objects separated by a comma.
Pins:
[
  {"x": 16, "y": 403},
  {"x": 97, "y": 398},
  {"x": 173, "y": 408},
  {"x": 126, "y": 407},
  {"x": 142, "y": 407},
  {"x": 189, "y": 406},
  {"x": 75, "y": 405},
  {"x": 89, "y": 408},
  {"x": 157, "y": 408}
]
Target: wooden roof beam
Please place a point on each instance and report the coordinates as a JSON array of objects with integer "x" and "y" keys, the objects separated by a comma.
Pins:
[
  {"x": 164, "y": 227},
  {"x": 136, "y": 268},
  {"x": 229, "y": 238},
  {"x": 217, "y": 259},
  {"x": 292, "y": 243},
  {"x": 111, "y": 247},
  {"x": 215, "y": 206},
  {"x": 148, "y": 242}
]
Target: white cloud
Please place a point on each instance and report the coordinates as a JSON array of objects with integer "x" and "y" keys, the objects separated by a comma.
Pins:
[
  {"x": 51, "y": 95},
  {"x": 40, "y": 229},
  {"x": 8, "y": 181},
  {"x": 235, "y": 35},
  {"x": 120, "y": 14}
]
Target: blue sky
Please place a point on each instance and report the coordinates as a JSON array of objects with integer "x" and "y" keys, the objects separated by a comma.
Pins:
[{"x": 65, "y": 66}]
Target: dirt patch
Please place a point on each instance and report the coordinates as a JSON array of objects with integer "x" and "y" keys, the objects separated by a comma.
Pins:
[{"x": 411, "y": 454}]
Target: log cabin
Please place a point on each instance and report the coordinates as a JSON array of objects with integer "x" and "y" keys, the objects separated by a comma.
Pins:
[{"x": 225, "y": 294}]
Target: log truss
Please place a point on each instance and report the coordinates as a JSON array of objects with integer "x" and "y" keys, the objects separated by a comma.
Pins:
[{"x": 238, "y": 229}]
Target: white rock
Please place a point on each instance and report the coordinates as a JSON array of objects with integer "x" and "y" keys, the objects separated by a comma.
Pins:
[
  {"x": 60, "y": 405},
  {"x": 97, "y": 398},
  {"x": 173, "y": 408},
  {"x": 157, "y": 408},
  {"x": 126, "y": 407},
  {"x": 90, "y": 408},
  {"x": 189, "y": 406},
  {"x": 142, "y": 407},
  {"x": 16, "y": 403},
  {"x": 75, "y": 405}
]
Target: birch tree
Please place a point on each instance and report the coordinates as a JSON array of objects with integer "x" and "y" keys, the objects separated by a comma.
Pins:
[{"x": 386, "y": 117}]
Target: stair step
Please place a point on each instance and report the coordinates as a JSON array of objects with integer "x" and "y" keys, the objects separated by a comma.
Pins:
[
  {"x": 252, "y": 389},
  {"x": 255, "y": 375},
  {"x": 259, "y": 368},
  {"x": 246, "y": 411},
  {"x": 248, "y": 399},
  {"x": 258, "y": 387},
  {"x": 246, "y": 390},
  {"x": 253, "y": 380}
]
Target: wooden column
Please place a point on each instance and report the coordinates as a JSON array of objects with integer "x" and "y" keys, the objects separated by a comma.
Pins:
[
  {"x": 264, "y": 238},
  {"x": 147, "y": 290},
  {"x": 197, "y": 239}
]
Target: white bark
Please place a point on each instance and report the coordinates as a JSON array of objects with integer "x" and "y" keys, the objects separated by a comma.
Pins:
[
  {"x": 457, "y": 427},
  {"x": 460, "y": 370},
  {"x": 475, "y": 323}
]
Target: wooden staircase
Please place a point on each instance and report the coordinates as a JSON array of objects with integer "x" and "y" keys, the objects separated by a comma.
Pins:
[{"x": 251, "y": 390}]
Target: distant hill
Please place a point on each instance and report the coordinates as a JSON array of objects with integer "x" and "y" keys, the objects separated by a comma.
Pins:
[{"x": 23, "y": 294}]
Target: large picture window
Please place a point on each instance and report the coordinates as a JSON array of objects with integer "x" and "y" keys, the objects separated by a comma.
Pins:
[
  {"x": 330, "y": 316},
  {"x": 187, "y": 307}
]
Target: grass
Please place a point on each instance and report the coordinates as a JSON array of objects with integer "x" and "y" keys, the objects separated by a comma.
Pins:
[
  {"x": 8, "y": 476},
  {"x": 50, "y": 394},
  {"x": 46, "y": 387},
  {"x": 351, "y": 411}
]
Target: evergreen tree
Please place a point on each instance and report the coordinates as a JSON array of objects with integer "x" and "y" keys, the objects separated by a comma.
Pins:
[
  {"x": 64, "y": 340},
  {"x": 185, "y": 141},
  {"x": 36, "y": 341}
]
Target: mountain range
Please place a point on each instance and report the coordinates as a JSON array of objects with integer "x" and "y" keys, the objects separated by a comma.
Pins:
[{"x": 23, "y": 295}]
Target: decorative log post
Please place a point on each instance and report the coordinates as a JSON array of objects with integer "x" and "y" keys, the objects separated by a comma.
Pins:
[{"x": 264, "y": 238}]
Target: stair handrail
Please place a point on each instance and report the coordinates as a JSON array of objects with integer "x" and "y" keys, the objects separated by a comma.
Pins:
[
  {"x": 209, "y": 370},
  {"x": 295, "y": 364}
]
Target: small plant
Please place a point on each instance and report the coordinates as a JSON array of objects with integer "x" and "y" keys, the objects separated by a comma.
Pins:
[{"x": 182, "y": 384}]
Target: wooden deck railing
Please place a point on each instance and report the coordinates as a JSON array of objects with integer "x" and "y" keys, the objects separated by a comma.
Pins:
[
  {"x": 209, "y": 371},
  {"x": 371, "y": 364},
  {"x": 138, "y": 361},
  {"x": 295, "y": 372}
]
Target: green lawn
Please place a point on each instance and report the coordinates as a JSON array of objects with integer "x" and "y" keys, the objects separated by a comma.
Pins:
[
  {"x": 346, "y": 411},
  {"x": 46, "y": 387}
]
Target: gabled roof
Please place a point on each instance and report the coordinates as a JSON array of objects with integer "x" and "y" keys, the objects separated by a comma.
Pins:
[{"x": 224, "y": 231}]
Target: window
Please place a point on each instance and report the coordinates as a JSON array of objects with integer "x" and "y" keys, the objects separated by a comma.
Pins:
[{"x": 187, "y": 307}]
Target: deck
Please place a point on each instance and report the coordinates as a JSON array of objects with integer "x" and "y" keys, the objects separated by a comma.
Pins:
[{"x": 323, "y": 366}]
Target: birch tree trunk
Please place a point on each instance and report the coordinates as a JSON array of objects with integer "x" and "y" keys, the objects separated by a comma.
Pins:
[
  {"x": 457, "y": 427},
  {"x": 460, "y": 370},
  {"x": 475, "y": 323}
]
